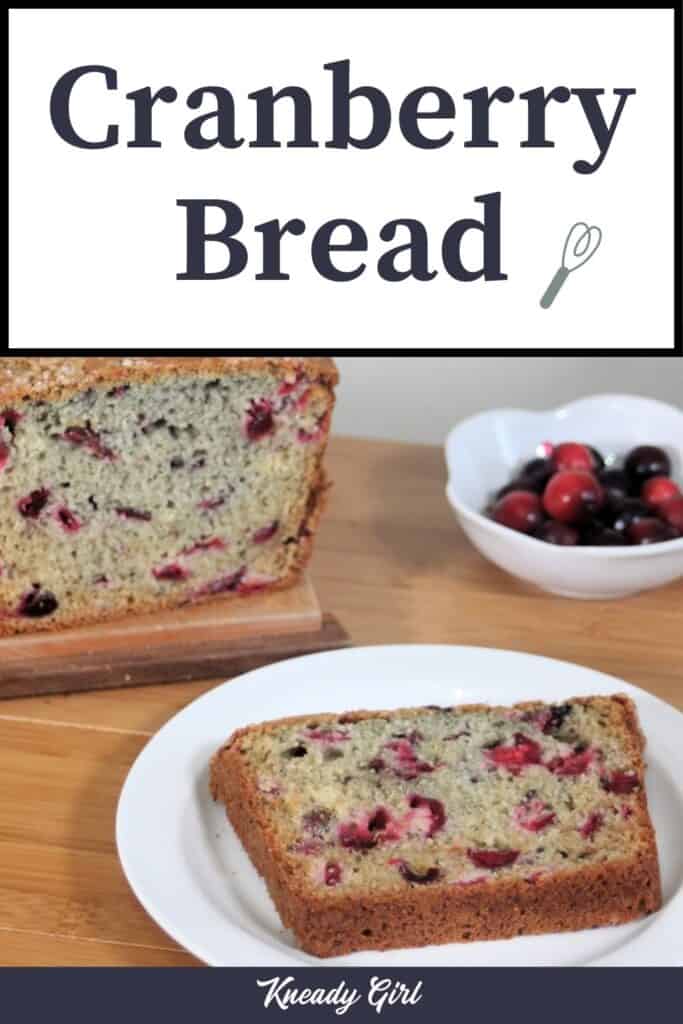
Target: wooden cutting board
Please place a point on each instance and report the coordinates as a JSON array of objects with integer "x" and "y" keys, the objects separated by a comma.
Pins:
[{"x": 212, "y": 639}]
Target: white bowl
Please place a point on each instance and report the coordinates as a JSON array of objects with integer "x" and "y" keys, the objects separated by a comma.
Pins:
[{"x": 484, "y": 451}]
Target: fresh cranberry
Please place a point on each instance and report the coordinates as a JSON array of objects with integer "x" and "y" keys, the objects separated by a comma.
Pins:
[
  {"x": 493, "y": 859},
  {"x": 672, "y": 512},
  {"x": 88, "y": 438},
  {"x": 659, "y": 489},
  {"x": 68, "y": 520},
  {"x": 4, "y": 455},
  {"x": 561, "y": 534},
  {"x": 572, "y": 764},
  {"x": 134, "y": 513},
  {"x": 436, "y": 810},
  {"x": 260, "y": 422},
  {"x": 591, "y": 825},
  {"x": 524, "y": 751},
  {"x": 31, "y": 506},
  {"x": 596, "y": 534},
  {"x": 415, "y": 877},
  {"x": 615, "y": 484},
  {"x": 534, "y": 475},
  {"x": 651, "y": 531},
  {"x": 37, "y": 603},
  {"x": 266, "y": 533},
  {"x": 647, "y": 461},
  {"x": 573, "y": 456},
  {"x": 173, "y": 573},
  {"x": 572, "y": 496},
  {"x": 364, "y": 834},
  {"x": 333, "y": 873},
  {"x": 628, "y": 511},
  {"x": 519, "y": 510},
  {"x": 621, "y": 782}
]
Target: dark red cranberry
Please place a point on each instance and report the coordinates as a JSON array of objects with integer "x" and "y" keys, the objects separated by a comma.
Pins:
[
  {"x": 672, "y": 512},
  {"x": 209, "y": 504},
  {"x": 436, "y": 810},
  {"x": 534, "y": 475},
  {"x": 173, "y": 573},
  {"x": 134, "y": 513},
  {"x": 591, "y": 825},
  {"x": 493, "y": 859},
  {"x": 596, "y": 534},
  {"x": 214, "y": 544},
  {"x": 224, "y": 584},
  {"x": 651, "y": 531},
  {"x": 68, "y": 520},
  {"x": 88, "y": 438},
  {"x": 37, "y": 603},
  {"x": 631, "y": 510},
  {"x": 9, "y": 418},
  {"x": 572, "y": 764},
  {"x": 533, "y": 815},
  {"x": 615, "y": 484},
  {"x": 556, "y": 717},
  {"x": 572, "y": 497},
  {"x": 333, "y": 873},
  {"x": 260, "y": 421},
  {"x": 523, "y": 751},
  {"x": 32, "y": 505},
  {"x": 573, "y": 456},
  {"x": 561, "y": 534},
  {"x": 266, "y": 533},
  {"x": 417, "y": 878},
  {"x": 621, "y": 782},
  {"x": 659, "y": 489},
  {"x": 647, "y": 461},
  {"x": 4, "y": 455},
  {"x": 519, "y": 510}
]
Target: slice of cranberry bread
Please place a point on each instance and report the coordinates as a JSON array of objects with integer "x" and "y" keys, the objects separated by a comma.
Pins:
[
  {"x": 139, "y": 484},
  {"x": 431, "y": 825}
]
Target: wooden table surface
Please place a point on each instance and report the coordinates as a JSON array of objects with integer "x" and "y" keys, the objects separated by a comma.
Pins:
[{"x": 392, "y": 564}]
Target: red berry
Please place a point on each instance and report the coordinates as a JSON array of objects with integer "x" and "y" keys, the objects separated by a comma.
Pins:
[
  {"x": 68, "y": 520},
  {"x": 525, "y": 751},
  {"x": 573, "y": 456},
  {"x": 519, "y": 510},
  {"x": 33, "y": 504},
  {"x": 260, "y": 422},
  {"x": 417, "y": 878},
  {"x": 621, "y": 782},
  {"x": 173, "y": 573},
  {"x": 266, "y": 533},
  {"x": 493, "y": 859},
  {"x": 4, "y": 455},
  {"x": 436, "y": 810},
  {"x": 534, "y": 815},
  {"x": 591, "y": 825},
  {"x": 651, "y": 531},
  {"x": 571, "y": 496},
  {"x": 560, "y": 534},
  {"x": 659, "y": 489},
  {"x": 672, "y": 512},
  {"x": 572, "y": 764}
]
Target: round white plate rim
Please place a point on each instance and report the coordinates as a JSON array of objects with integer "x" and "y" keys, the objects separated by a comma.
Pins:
[{"x": 244, "y": 947}]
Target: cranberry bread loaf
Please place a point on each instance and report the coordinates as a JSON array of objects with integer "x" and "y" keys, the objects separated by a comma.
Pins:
[
  {"x": 431, "y": 825},
  {"x": 141, "y": 484}
]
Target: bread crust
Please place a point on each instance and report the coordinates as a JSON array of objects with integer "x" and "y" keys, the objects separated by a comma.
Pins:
[
  {"x": 333, "y": 924},
  {"x": 51, "y": 378}
]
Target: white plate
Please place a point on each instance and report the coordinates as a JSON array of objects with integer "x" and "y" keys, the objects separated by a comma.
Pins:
[{"x": 189, "y": 870}]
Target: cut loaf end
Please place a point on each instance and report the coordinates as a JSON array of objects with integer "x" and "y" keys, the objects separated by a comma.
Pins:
[{"x": 134, "y": 485}]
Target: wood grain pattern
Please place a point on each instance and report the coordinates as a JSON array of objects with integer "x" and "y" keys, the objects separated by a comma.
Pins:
[
  {"x": 218, "y": 637},
  {"x": 393, "y": 565}
]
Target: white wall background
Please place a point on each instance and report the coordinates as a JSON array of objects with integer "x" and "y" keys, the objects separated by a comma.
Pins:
[{"x": 419, "y": 398}]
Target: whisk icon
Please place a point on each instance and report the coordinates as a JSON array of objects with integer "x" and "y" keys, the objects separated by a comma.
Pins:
[{"x": 581, "y": 243}]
